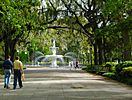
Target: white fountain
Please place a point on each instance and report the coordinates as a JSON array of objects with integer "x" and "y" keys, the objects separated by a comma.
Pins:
[{"x": 54, "y": 57}]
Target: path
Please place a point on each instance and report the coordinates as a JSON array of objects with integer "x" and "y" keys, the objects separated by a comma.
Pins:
[{"x": 65, "y": 84}]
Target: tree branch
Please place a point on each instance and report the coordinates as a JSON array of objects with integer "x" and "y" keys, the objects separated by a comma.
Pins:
[{"x": 77, "y": 20}]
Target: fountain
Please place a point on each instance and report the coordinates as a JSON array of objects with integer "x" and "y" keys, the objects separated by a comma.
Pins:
[{"x": 54, "y": 56}]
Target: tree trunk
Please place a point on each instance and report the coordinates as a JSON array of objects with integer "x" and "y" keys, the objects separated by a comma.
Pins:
[
  {"x": 100, "y": 53},
  {"x": 104, "y": 50},
  {"x": 12, "y": 50},
  {"x": 95, "y": 54},
  {"x": 6, "y": 49},
  {"x": 127, "y": 46},
  {"x": 9, "y": 48}
]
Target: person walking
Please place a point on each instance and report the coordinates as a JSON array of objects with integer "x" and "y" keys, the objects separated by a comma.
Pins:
[
  {"x": 77, "y": 64},
  {"x": 7, "y": 68},
  {"x": 18, "y": 71}
]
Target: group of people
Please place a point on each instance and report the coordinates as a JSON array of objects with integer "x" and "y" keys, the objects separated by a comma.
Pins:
[
  {"x": 15, "y": 68},
  {"x": 74, "y": 64}
]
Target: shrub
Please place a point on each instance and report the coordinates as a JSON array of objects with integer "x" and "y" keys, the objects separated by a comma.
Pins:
[
  {"x": 129, "y": 81},
  {"x": 120, "y": 66},
  {"x": 109, "y": 74},
  {"x": 112, "y": 63},
  {"x": 106, "y": 68},
  {"x": 127, "y": 72},
  {"x": 1, "y": 62},
  {"x": 109, "y": 67},
  {"x": 88, "y": 68},
  {"x": 92, "y": 68}
]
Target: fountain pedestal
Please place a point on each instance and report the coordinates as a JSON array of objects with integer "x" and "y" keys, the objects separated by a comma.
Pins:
[{"x": 54, "y": 57}]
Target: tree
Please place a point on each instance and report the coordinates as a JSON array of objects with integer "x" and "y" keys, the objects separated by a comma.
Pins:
[
  {"x": 94, "y": 12},
  {"x": 120, "y": 14},
  {"x": 18, "y": 19},
  {"x": 91, "y": 11}
]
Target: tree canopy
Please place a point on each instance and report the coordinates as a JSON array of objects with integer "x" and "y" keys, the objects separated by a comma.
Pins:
[{"x": 104, "y": 24}]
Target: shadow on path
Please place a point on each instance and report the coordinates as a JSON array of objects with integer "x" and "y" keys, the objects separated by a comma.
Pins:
[{"x": 65, "y": 84}]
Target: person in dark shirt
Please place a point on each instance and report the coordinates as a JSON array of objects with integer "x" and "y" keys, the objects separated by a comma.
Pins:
[
  {"x": 77, "y": 64},
  {"x": 7, "y": 70}
]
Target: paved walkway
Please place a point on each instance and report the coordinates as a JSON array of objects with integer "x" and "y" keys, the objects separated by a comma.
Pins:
[{"x": 65, "y": 84}]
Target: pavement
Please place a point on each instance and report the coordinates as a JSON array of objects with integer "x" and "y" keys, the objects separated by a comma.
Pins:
[{"x": 65, "y": 84}]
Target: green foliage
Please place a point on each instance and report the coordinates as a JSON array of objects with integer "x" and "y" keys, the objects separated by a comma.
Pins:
[
  {"x": 87, "y": 68},
  {"x": 109, "y": 66},
  {"x": 120, "y": 66},
  {"x": 114, "y": 8},
  {"x": 129, "y": 81},
  {"x": 1, "y": 62},
  {"x": 23, "y": 56},
  {"x": 18, "y": 20},
  {"x": 92, "y": 69},
  {"x": 109, "y": 74},
  {"x": 119, "y": 13},
  {"x": 127, "y": 72},
  {"x": 113, "y": 64}
]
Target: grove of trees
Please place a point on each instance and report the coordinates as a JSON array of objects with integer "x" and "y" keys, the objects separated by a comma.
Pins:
[{"x": 78, "y": 25}]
